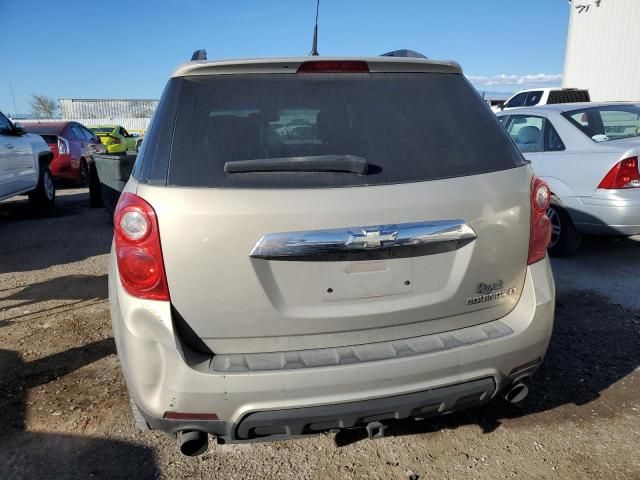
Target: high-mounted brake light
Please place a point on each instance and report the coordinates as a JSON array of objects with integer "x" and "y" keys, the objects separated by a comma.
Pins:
[
  {"x": 624, "y": 174},
  {"x": 138, "y": 251},
  {"x": 334, "y": 66},
  {"x": 540, "y": 223}
]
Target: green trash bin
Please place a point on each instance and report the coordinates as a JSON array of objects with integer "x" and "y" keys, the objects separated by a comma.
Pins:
[{"x": 113, "y": 173}]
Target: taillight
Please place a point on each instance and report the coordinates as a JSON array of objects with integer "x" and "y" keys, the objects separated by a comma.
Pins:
[
  {"x": 63, "y": 146},
  {"x": 115, "y": 139},
  {"x": 138, "y": 250},
  {"x": 540, "y": 223},
  {"x": 624, "y": 174},
  {"x": 334, "y": 66}
]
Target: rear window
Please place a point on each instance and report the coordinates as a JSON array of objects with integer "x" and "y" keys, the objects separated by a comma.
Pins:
[
  {"x": 568, "y": 96},
  {"x": 409, "y": 128},
  {"x": 101, "y": 129},
  {"x": 602, "y": 124}
]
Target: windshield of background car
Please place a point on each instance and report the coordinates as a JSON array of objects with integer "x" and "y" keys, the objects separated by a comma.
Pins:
[
  {"x": 409, "y": 128},
  {"x": 603, "y": 124}
]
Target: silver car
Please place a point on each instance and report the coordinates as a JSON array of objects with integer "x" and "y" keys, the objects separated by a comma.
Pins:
[
  {"x": 588, "y": 155},
  {"x": 385, "y": 259}
]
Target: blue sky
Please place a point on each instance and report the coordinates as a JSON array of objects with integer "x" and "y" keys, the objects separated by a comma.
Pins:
[{"x": 127, "y": 49}]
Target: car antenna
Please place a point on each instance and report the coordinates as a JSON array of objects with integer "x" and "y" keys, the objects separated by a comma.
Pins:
[{"x": 314, "y": 45}]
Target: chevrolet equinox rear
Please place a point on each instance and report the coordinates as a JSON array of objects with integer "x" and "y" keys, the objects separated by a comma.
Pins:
[{"x": 308, "y": 245}]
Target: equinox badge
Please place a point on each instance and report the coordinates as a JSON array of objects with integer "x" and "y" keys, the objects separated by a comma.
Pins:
[{"x": 491, "y": 291}]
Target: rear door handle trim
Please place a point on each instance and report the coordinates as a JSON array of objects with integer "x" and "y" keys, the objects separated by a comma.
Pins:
[{"x": 367, "y": 242}]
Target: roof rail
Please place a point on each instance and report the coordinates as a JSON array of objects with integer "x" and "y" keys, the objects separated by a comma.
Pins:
[
  {"x": 199, "y": 55},
  {"x": 403, "y": 53}
]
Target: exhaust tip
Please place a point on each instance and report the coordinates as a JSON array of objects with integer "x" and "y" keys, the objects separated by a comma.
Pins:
[
  {"x": 193, "y": 442},
  {"x": 517, "y": 392}
]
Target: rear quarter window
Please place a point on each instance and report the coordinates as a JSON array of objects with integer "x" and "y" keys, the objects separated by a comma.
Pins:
[{"x": 409, "y": 127}]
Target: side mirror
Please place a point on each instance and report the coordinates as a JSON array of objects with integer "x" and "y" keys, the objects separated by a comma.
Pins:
[{"x": 18, "y": 129}]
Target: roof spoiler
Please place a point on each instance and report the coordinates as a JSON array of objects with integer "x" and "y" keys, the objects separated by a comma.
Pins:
[
  {"x": 199, "y": 55},
  {"x": 404, "y": 53}
]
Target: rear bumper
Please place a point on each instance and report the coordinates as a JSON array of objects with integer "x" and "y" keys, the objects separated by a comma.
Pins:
[
  {"x": 297, "y": 422},
  {"x": 164, "y": 376},
  {"x": 607, "y": 212}
]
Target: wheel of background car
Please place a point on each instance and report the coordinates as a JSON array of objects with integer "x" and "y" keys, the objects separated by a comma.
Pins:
[
  {"x": 84, "y": 172},
  {"x": 95, "y": 193},
  {"x": 565, "y": 239},
  {"x": 44, "y": 194}
]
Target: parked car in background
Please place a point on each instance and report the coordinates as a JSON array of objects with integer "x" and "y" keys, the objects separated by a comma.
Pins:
[
  {"x": 24, "y": 165},
  {"x": 72, "y": 145},
  {"x": 588, "y": 155},
  {"x": 337, "y": 254},
  {"x": 117, "y": 139},
  {"x": 543, "y": 96}
]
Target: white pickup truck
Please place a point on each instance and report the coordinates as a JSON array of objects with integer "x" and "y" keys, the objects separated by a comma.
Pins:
[{"x": 24, "y": 165}]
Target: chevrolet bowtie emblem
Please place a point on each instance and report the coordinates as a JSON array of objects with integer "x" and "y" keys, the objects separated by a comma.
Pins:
[{"x": 371, "y": 238}]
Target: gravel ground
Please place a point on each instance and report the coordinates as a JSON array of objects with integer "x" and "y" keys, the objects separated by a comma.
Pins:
[{"x": 64, "y": 406}]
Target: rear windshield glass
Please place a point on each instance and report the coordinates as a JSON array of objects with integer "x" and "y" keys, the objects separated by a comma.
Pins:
[
  {"x": 568, "y": 96},
  {"x": 408, "y": 127},
  {"x": 101, "y": 129},
  {"x": 611, "y": 122}
]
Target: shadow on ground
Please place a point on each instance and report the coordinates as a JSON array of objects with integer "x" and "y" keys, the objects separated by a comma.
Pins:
[
  {"x": 26, "y": 454},
  {"x": 68, "y": 287},
  {"x": 594, "y": 345},
  {"x": 70, "y": 232}
]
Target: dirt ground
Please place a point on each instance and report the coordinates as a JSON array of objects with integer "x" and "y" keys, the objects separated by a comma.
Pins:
[{"x": 64, "y": 412}]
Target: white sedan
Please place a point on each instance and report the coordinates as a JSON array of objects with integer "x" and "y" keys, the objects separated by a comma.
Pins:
[{"x": 588, "y": 155}]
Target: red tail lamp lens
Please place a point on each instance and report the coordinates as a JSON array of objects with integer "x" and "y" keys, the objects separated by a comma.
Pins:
[
  {"x": 624, "y": 174},
  {"x": 138, "y": 250},
  {"x": 540, "y": 223}
]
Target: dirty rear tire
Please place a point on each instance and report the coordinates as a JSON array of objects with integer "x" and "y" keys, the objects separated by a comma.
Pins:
[
  {"x": 568, "y": 240},
  {"x": 139, "y": 420},
  {"x": 44, "y": 195}
]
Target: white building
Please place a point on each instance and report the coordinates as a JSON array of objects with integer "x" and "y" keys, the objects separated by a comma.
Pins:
[
  {"x": 603, "y": 49},
  {"x": 74, "y": 108}
]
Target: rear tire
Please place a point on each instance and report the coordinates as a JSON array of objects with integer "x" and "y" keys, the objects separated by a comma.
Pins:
[
  {"x": 139, "y": 420},
  {"x": 565, "y": 239},
  {"x": 44, "y": 194}
]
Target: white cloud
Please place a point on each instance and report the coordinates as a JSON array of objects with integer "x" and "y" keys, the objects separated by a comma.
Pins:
[{"x": 539, "y": 79}]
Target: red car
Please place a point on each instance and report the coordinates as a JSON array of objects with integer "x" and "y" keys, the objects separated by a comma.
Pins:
[{"x": 72, "y": 145}]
